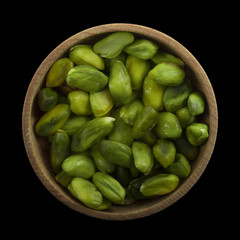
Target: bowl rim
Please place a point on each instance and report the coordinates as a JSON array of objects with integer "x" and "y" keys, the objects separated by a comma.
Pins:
[{"x": 158, "y": 36}]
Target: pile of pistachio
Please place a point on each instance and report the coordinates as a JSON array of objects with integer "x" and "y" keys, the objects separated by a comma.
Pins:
[{"x": 122, "y": 121}]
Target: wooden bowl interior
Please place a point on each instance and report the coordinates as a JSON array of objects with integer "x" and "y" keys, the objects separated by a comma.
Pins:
[{"x": 38, "y": 148}]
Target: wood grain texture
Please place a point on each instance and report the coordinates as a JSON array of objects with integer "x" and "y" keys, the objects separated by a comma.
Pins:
[{"x": 38, "y": 149}]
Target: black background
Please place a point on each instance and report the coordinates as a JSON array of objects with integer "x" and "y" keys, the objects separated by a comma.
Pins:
[{"x": 34, "y": 34}]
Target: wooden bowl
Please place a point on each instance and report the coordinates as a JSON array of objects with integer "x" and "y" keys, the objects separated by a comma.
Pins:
[{"x": 38, "y": 148}]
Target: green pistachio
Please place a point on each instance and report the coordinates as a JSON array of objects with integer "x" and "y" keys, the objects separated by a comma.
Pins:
[
  {"x": 167, "y": 74},
  {"x": 164, "y": 151},
  {"x": 74, "y": 124},
  {"x": 119, "y": 82},
  {"x": 112, "y": 45},
  {"x": 137, "y": 69},
  {"x": 167, "y": 126},
  {"x": 159, "y": 184},
  {"x": 175, "y": 98},
  {"x": 143, "y": 157},
  {"x": 85, "y": 153},
  {"x": 87, "y": 193},
  {"x": 135, "y": 95},
  {"x": 47, "y": 99},
  {"x": 79, "y": 165},
  {"x": 63, "y": 178},
  {"x": 60, "y": 150},
  {"x": 109, "y": 187},
  {"x": 145, "y": 121},
  {"x": 80, "y": 103},
  {"x": 184, "y": 117},
  {"x": 109, "y": 61},
  {"x": 180, "y": 166},
  {"x": 117, "y": 153},
  {"x": 184, "y": 147},
  {"x": 129, "y": 112},
  {"x": 123, "y": 175},
  {"x": 101, "y": 163},
  {"x": 153, "y": 94},
  {"x": 58, "y": 72},
  {"x": 101, "y": 102},
  {"x": 86, "y": 78},
  {"x": 121, "y": 131},
  {"x": 134, "y": 187},
  {"x": 94, "y": 131},
  {"x": 197, "y": 133},
  {"x": 84, "y": 55},
  {"x": 134, "y": 172},
  {"x": 196, "y": 103},
  {"x": 129, "y": 199},
  {"x": 149, "y": 138},
  {"x": 142, "y": 48},
  {"x": 161, "y": 56},
  {"x": 53, "y": 120}
]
